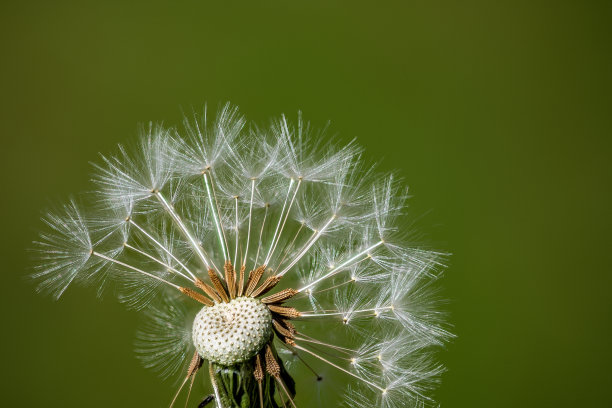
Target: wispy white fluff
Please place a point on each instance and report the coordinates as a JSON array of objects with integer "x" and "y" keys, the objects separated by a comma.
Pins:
[
  {"x": 186, "y": 200},
  {"x": 163, "y": 342}
]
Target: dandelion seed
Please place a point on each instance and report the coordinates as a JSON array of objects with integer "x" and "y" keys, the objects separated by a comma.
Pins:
[{"x": 239, "y": 244}]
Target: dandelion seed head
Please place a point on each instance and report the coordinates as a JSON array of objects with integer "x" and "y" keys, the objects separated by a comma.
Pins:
[{"x": 263, "y": 251}]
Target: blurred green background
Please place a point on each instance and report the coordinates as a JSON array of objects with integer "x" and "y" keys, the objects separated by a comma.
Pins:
[{"x": 498, "y": 113}]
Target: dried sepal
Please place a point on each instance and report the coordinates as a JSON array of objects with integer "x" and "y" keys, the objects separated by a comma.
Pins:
[
  {"x": 281, "y": 296},
  {"x": 218, "y": 285},
  {"x": 254, "y": 278},
  {"x": 269, "y": 284},
  {"x": 196, "y": 296},
  {"x": 209, "y": 290},
  {"x": 289, "y": 312}
]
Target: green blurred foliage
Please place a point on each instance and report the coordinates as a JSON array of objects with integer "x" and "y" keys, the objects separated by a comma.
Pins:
[{"x": 497, "y": 113}]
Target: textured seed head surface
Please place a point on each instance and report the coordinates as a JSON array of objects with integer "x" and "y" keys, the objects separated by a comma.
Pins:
[{"x": 230, "y": 333}]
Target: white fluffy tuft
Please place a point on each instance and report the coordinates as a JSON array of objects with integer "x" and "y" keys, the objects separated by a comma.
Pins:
[{"x": 183, "y": 201}]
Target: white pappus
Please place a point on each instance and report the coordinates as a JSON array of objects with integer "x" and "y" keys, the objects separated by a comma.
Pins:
[{"x": 245, "y": 246}]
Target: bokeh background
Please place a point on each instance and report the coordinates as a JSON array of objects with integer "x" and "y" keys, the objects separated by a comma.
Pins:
[{"x": 497, "y": 113}]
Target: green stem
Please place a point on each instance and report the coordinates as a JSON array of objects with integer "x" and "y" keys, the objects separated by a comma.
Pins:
[{"x": 237, "y": 387}]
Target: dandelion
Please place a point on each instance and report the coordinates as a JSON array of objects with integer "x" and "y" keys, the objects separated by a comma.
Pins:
[{"x": 255, "y": 253}]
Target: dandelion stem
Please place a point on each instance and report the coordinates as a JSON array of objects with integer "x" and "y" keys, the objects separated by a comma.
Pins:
[
  {"x": 215, "y": 386},
  {"x": 342, "y": 265},
  {"x": 99, "y": 255},
  {"x": 340, "y": 368}
]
